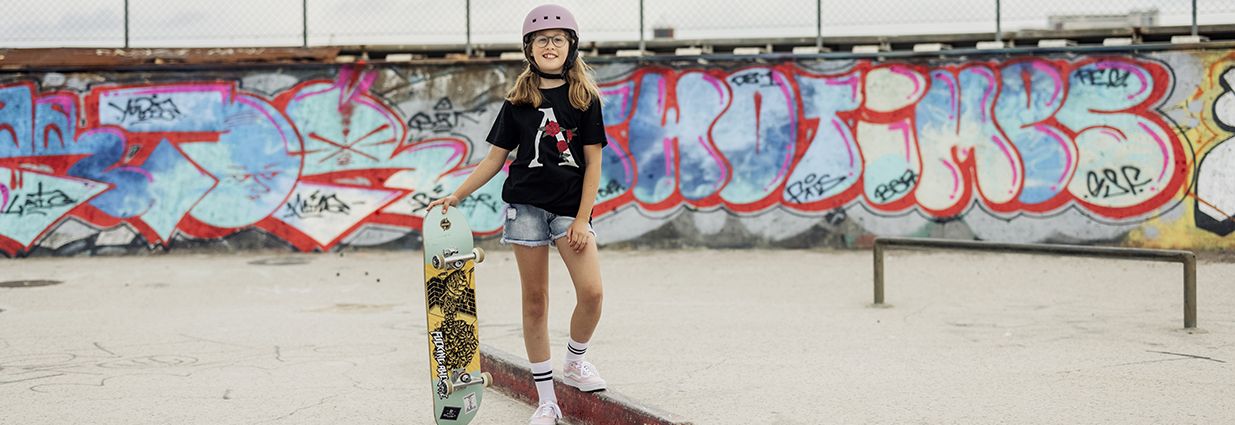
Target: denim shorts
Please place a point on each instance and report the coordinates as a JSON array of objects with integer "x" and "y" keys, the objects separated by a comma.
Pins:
[{"x": 531, "y": 226}]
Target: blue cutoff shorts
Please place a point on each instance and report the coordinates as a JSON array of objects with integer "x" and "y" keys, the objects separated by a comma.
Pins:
[{"x": 527, "y": 225}]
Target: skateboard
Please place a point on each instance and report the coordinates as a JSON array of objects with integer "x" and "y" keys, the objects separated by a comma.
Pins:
[{"x": 450, "y": 310}]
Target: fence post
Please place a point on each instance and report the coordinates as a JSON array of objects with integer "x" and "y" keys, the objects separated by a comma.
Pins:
[
  {"x": 643, "y": 46},
  {"x": 304, "y": 23},
  {"x": 998, "y": 20},
  {"x": 468, "y": 20},
  {"x": 1194, "y": 33},
  {"x": 819, "y": 25},
  {"x": 126, "y": 24}
]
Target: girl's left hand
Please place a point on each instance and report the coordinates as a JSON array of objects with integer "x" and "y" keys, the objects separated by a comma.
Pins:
[{"x": 578, "y": 235}]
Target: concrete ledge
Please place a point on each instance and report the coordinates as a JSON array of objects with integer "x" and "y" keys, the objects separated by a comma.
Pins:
[{"x": 512, "y": 377}]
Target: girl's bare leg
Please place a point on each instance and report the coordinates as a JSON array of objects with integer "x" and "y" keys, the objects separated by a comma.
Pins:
[
  {"x": 534, "y": 277},
  {"x": 584, "y": 267}
]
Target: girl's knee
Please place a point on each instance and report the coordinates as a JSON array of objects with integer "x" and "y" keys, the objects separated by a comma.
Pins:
[
  {"x": 535, "y": 307},
  {"x": 591, "y": 295}
]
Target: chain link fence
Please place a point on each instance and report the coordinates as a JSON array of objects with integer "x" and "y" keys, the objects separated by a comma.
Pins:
[
  {"x": 235, "y": 23},
  {"x": 1071, "y": 14},
  {"x": 732, "y": 19},
  {"x": 1214, "y": 12},
  {"x": 385, "y": 22},
  {"x": 501, "y": 21},
  {"x": 57, "y": 23},
  {"x": 247, "y": 23},
  {"x": 898, "y": 17}
]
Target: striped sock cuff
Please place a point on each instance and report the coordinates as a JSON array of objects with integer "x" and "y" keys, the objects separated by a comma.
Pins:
[
  {"x": 576, "y": 351},
  {"x": 542, "y": 371}
]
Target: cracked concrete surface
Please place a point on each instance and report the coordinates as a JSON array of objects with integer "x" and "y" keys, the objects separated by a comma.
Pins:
[
  {"x": 788, "y": 337},
  {"x": 220, "y": 342},
  {"x": 718, "y": 337}
]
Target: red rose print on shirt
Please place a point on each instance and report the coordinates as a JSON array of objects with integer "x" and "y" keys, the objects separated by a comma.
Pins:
[
  {"x": 562, "y": 146},
  {"x": 570, "y": 135},
  {"x": 552, "y": 128}
]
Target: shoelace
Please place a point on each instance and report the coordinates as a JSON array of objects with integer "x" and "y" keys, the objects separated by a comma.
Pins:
[
  {"x": 549, "y": 410},
  {"x": 586, "y": 369}
]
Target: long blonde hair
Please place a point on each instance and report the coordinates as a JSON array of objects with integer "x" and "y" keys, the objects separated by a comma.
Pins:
[{"x": 583, "y": 90}]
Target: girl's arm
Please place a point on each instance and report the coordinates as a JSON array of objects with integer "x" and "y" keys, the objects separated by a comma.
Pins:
[
  {"x": 578, "y": 235},
  {"x": 484, "y": 172}
]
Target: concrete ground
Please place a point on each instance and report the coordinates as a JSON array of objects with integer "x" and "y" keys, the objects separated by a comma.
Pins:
[{"x": 717, "y": 337}]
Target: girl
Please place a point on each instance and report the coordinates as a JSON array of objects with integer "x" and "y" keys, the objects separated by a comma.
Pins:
[{"x": 552, "y": 117}]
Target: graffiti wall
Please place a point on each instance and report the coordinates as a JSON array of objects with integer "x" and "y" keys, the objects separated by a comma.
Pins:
[{"x": 1133, "y": 149}]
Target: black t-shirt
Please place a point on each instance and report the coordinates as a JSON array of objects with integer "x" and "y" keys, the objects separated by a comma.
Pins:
[{"x": 548, "y": 168}]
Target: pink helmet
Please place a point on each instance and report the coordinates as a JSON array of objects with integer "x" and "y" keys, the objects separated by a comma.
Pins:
[{"x": 549, "y": 16}]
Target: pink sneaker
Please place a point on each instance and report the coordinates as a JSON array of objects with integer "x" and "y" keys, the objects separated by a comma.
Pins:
[
  {"x": 546, "y": 414},
  {"x": 584, "y": 376}
]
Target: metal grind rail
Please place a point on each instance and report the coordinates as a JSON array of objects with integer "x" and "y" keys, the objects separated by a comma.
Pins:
[{"x": 1186, "y": 258}]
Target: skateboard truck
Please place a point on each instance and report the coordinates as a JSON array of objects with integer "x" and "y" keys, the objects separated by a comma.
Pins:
[
  {"x": 465, "y": 380},
  {"x": 451, "y": 260}
]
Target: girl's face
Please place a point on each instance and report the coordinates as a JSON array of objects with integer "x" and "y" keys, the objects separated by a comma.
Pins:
[{"x": 549, "y": 49}]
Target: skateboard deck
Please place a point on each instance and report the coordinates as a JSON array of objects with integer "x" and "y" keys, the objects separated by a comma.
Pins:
[{"x": 450, "y": 301}]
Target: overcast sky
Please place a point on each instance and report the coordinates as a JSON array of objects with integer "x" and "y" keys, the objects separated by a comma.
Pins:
[{"x": 169, "y": 23}]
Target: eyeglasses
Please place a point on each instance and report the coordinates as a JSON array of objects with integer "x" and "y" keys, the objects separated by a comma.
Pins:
[{"x": 543, "y": 41}]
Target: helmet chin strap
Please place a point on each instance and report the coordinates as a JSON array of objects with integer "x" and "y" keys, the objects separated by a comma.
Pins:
[{"x": 548, "y": 76}]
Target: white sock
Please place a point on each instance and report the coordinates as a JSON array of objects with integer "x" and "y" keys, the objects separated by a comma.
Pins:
[
  {"x": 575, "y": 351},
  {"x": 542, "y": 374}
]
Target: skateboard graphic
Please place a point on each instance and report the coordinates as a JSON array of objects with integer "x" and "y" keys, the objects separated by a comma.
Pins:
[{"x": 450, "y": 309}]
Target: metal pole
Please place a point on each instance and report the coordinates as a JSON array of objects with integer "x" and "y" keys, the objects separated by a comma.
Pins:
[
  {"x": 998, "y": 20},
  {"x": 1194, "y": 18},
  {"x": 818, "y": 25},
  {"x": 468, "y": 12},
  {"x": 126, "y": 24},
  {"x": 643, "y": 46},
  {"x": 304, "y": 23},
  {"x": 1189, "y": 291},
  {"x": 878, "y": 273}
]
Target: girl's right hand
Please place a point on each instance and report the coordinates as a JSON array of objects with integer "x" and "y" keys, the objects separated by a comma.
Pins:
[{"x": 445, "y": 202}]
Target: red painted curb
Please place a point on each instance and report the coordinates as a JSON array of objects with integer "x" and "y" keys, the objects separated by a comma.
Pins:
[{"x": 512, "y": 377}]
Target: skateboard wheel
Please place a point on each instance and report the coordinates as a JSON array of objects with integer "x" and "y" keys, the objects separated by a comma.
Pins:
[
  {"x": 437, "y": 262},
  {"x": 480, "y": 255},
  {"x": 486, "y": 379},
  {"x": 446, "y": 387}
]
